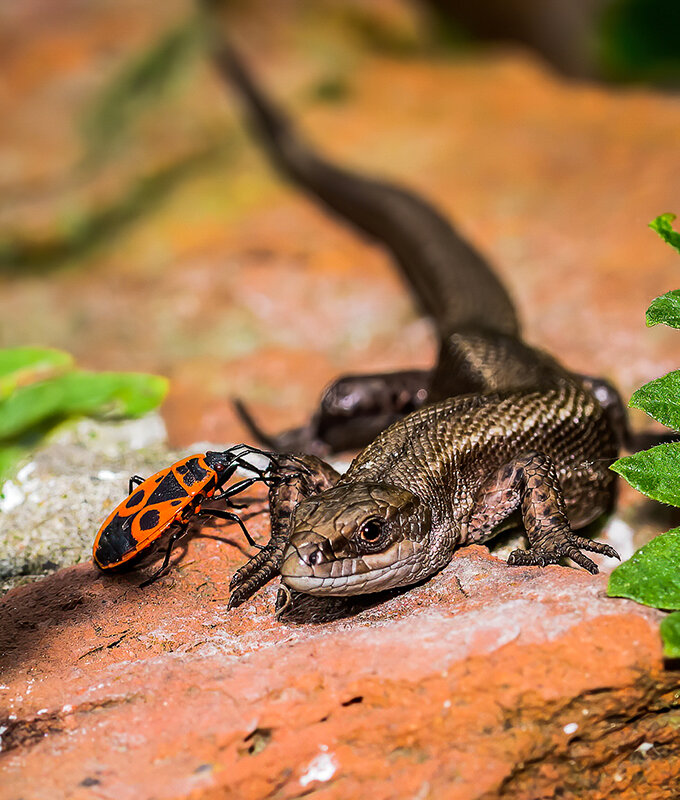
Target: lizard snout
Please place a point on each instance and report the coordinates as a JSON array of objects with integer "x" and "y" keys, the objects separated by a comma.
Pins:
[
  {"x": 304, "y": 560},
  {"x": 311, "y": 554}
]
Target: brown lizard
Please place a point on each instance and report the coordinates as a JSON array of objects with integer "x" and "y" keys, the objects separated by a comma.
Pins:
[{"x": 496, "y": 427}]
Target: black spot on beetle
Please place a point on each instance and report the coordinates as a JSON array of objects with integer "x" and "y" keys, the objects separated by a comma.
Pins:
[
  {"x": 149, "y": 519},
  {"x": 135, "y": 499},
  {"x": 187, "y": 476},
  {"x": 199, "y": 472},
  {"x": 169, "y": 489}
]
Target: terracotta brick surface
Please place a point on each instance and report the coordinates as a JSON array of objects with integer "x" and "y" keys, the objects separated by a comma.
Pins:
[
  {"x": 485, "y": 682},
  {"x": 488, "y": 681}
]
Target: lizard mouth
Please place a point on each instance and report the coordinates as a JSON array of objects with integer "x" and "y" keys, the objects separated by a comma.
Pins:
[{"x": 353, "y": 575}]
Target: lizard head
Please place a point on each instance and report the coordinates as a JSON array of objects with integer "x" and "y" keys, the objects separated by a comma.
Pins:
[{"x": 355, "y": 539}]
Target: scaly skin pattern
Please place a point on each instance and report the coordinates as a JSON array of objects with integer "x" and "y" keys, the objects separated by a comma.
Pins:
[
  {"x": 449, "y": 475},
  {"x": 507, "y": 429}
]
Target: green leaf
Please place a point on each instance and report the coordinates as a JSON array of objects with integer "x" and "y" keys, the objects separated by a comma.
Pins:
[
  {"x": 114, "y": 394},
  {"x": 654, "y": 472},
  {"x": 665, "y": 309},
  {"x": 660, "y": 399},
  {"x": 22, "y": 365},
  {"x": 652, "y": 575},
  {"x": 670, "y": 634},
  {"x": 662, "y": 225},
  {"x": 80, "y": 393}
]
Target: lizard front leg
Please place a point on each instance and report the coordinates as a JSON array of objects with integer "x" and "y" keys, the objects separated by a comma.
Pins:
[
  {"x": 530, "y": 483},
  {"x": 289, "y": 485}
]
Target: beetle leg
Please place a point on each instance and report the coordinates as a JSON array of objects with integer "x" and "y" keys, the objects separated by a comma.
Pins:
[
  {"x": 246, "y": 465},
  {"x": 228, "y": 492},
  {"x": 174, "y": 537},
  {"x": 135, "y": 480},
  {"x": 230, "y": 515}
]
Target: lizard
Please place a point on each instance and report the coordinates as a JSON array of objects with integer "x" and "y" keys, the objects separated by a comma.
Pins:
[{"x": 497, "y": 427}]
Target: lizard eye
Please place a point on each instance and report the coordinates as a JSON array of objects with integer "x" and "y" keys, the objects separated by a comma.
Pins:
[{"x": 371, "y": 530}]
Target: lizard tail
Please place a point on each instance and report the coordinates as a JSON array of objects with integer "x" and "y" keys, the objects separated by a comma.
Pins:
[{"x": 452, "y": 282}]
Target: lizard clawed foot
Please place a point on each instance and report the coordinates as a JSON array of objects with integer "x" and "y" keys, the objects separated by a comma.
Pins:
[
  {"x": 294, "y": 478},
  {"x": 559, "y": 544},
  {"x": 252, "y": 576}
]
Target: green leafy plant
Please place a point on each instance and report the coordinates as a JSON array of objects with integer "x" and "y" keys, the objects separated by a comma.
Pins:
[
  {"x": 652, "y": 575},
  {"x": 41, "y": 388}
]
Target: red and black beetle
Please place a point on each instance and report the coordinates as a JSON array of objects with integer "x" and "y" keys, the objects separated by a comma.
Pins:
[{"x": 171, "y": 498}]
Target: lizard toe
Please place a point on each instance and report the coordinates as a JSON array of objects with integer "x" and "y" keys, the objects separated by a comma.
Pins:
[
  {"x": 532, "y": 558},
  {"x": 595, "y": 547},
  {"x": 572, "y": 552}
]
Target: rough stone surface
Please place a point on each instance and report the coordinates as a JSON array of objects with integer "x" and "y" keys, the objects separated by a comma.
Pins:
[
  {"x": 51, "y": 510},
  {"x": 486, "y": 682}
]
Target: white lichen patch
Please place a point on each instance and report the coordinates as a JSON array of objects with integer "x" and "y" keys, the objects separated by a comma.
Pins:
[
  {"x": 11, "y": 496},
  {"x": 108, "y": 475},
  {"x": 321, "y": 768}
]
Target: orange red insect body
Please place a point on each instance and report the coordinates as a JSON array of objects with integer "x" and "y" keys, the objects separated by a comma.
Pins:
[{"x": 170, "y": 499}]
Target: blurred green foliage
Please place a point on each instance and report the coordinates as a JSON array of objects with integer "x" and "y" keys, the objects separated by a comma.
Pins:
[
  {"x": 651, "y": 575},
  {"x": 41, "y": 388},
  {"x": 436, "y": 33},
  {"x": 23, "y": 365},
  {"x": 639, "y": 40},
  {"x": 139, "y": 85},
  {"x": 670, "y": 633},
  {"x": 134, "y": 91},
  {"x": 94, "y": 227},
  {"x": 333, "y": 89}
]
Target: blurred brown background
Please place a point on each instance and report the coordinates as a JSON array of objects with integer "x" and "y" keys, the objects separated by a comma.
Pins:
[{"x": 141, "y": 228}]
